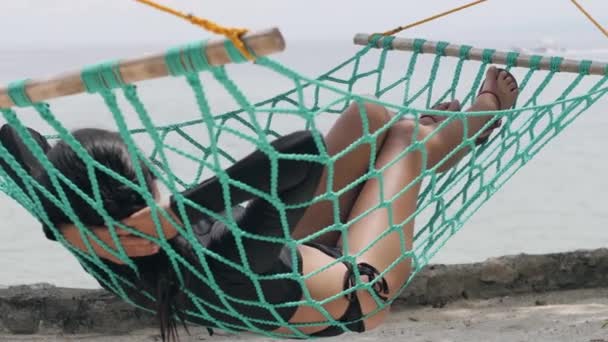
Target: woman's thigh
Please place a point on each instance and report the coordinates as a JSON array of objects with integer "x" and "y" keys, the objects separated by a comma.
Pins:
[
  {"x": 328, "y": 283},
  {"x": 347, "y": 169}
]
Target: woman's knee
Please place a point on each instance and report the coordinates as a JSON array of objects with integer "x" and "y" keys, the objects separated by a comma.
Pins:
[
  {"x": 377, "y": 116},
  {"x": 409, "y": 131}
]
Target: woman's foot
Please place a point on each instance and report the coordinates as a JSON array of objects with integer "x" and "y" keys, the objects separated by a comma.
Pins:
[
  {"x": 429, "y": 119},
  {"x": 499, "y": 91},
  {"x": 454, "y": 106}
]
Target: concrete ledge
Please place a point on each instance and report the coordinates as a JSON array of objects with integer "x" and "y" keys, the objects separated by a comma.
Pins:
[
  {"x": 30, "y": 309},
  {"x": 43, "y": 308},
  {"x": 509, "y": 275}
]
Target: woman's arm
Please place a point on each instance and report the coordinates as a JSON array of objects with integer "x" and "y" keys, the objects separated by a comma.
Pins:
[
  {"x": 255, "y": 171},
  {"x": 297, "y": 182},
  {"x": 132, "y": 245}
]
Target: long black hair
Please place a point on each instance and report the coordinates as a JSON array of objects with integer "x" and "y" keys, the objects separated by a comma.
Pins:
[{"x": 120, "y": 201}]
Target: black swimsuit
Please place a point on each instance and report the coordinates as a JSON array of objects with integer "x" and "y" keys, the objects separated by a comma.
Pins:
[
  {"x": 197, "y": 298},
  {"x": 352, "y": 317}
]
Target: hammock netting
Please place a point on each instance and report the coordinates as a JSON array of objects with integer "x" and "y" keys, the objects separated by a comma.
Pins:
[{"x": 407, "y": 83}]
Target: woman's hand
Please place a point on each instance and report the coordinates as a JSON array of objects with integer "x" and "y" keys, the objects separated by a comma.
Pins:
[
  {"x": 133, "y": 246},
  {"x": 142, "y": 221}
]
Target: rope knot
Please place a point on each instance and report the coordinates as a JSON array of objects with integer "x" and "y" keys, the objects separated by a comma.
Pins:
[
  {"x": 556, "y": 63},
  {"x": 17, "y": 94},
  {"x": 584, "y": 67},
  {"x": 233, "y": 34}
]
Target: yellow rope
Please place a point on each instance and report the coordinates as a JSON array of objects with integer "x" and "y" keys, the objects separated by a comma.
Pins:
[
  {"x": 597, "y": 24},
  {"x": 437, "y": 16},
  {"x": 234, "y": 34}
]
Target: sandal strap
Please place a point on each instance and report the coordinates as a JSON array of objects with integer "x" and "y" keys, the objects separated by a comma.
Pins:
[{"x": 485, "y": 136}]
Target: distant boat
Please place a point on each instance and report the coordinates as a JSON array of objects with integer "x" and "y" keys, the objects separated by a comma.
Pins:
[{"x": 544, "y": 46}]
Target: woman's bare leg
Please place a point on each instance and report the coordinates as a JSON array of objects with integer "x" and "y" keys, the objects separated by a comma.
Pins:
[
  {"x": 403, "y": 173},
  {"x": 352, "y": 166},
  {"x": 346, "y": 130},
  {"x": 328, "y": 283}
]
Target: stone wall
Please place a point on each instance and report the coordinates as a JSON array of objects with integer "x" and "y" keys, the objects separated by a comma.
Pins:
[{"x": 30, "y": 309}]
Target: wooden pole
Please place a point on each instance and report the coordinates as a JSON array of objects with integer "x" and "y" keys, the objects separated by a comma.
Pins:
[
  {"x": 499, "y": 57},
  {"x": 262, "y": 43}
]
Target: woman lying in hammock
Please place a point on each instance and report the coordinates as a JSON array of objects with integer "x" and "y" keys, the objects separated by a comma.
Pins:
[{"x": 297, "y": 182}]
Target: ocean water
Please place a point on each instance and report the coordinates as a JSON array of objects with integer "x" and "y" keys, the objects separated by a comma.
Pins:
[{"x": 556, "y": 203}]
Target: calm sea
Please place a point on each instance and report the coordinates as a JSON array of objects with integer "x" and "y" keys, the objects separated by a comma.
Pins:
[{"x": 556, "y": 203}]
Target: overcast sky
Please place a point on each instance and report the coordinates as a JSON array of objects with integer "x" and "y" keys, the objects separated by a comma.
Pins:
[{"x": 51, "y": 22}]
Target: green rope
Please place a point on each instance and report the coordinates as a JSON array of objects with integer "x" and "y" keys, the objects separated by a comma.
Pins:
[
  {"x": 194, "y": 59},
  {"x": 17, "y": 94},
  {"x": 447, "y": 200},
  {"x": 102, "y": 77},
  {"x": 235, "y": 55}
]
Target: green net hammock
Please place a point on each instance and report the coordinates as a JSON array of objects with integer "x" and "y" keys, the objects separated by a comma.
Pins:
[{"x": 206, "y": 139}]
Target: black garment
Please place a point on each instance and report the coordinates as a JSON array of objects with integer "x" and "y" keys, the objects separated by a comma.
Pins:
[
  {"x": 9, "y": 138},
  {"x": 296, "y": 183},
  {"x": 352, "y": 317}
]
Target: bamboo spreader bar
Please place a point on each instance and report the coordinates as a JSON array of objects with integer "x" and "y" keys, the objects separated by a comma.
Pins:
[{"x": 262, "y": 43}]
